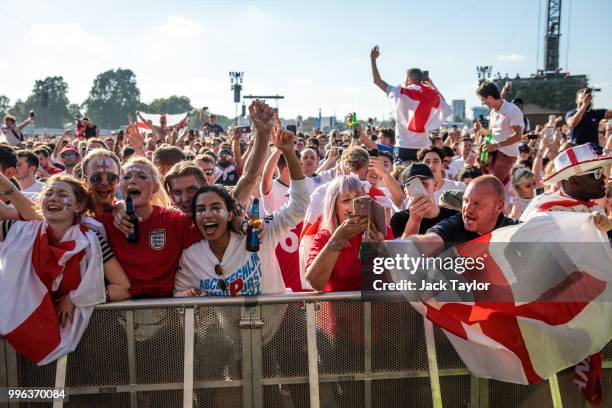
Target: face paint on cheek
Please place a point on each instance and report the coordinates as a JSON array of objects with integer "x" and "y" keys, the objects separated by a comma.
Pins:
[
  {"x": 67, "y": 205},
  {"x": 222, "y": 213}
]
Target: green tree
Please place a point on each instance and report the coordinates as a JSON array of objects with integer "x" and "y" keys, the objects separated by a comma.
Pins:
[
  {"x": 49, "y": 101},
  {"x": 173, "y": 104},
  {"x": 5, "y": 104},
  {"x": 19, "y": 110},
  {"x": 114, "y": 94}
]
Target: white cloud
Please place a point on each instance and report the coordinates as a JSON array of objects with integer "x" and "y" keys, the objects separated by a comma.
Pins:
[
  {"x": 69, "y": 37},
  {"x": 510, "y": 57},
  {"x": 179, "y": 26}
]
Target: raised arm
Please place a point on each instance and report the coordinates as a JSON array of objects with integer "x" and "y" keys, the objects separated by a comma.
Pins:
[
  {"x": 576, "y": 118},
  {"x": 374, "y": 54},
  {"x": 25, "y": 208},
  {"x": 268, "y": 172},
  {"x": 23, "y": 124},
  {"x": 261, "y": 116},
  {"x": 235, "y": 143}
]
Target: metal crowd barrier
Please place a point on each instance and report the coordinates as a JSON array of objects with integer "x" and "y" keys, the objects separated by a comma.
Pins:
[{"x": 290, "y": 351}]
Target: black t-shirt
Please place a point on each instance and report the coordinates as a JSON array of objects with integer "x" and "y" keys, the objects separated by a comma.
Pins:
[
  {"x": 216, "y": 128},
  {"x": 90, "y": 131},
  {"x": 229, "y": 179},
  {"x": 400, "y": 219},
  {"x": 453, "y": 232},
  {"x": 586, "y": 130}
]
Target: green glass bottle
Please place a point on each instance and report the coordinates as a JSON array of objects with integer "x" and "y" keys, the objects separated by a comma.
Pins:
[
  {"x": 354, "y": 125},
  {"x": 484, "y": 154}
]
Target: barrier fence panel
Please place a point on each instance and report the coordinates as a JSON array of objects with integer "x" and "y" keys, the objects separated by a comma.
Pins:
[{"x": 293, "y": 351}]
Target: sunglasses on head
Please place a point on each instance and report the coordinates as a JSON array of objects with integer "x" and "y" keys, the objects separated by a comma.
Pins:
[
  {"x": 96, "y": 178},
  {"x": 209, "y": 172}
]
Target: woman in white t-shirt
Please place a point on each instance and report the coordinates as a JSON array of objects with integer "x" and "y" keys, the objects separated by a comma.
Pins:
[{"x": 220, "y": 264}]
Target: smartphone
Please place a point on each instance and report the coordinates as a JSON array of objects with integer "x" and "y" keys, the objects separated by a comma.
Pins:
[
  {"x": 292, "y": 128},
  {"x": 31, "y": 114},
  {"x": 532, "y": 136},
  {"x": 425, "y": 75},
  {"x": 367, "y": 207},
  {"x": 415, "y": 188},
  {"x": 244, "y": 129},
  {"x": 373, "y": 153},
  {"x": 539, "y": 190}
]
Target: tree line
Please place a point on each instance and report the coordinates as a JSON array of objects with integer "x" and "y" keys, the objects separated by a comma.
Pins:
[{"x": 113, "y": 95}]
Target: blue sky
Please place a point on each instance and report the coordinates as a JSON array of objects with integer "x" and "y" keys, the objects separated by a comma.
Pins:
[{"x": 315, "y": 53}]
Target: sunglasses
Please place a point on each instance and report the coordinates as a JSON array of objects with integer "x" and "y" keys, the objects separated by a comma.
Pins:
[
  {"x": 597, "y": 173},
  {"x": 96, "y": 178},
  {"x": 209, "y": 172},
  {"x": 69, "y": 156},
  {"x": 219, "y": 272}
]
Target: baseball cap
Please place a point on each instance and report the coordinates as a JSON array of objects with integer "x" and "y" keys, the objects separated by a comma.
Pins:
[
  {"x": 70, "y": 148},
  {"x": 416, "y": 170},
  {"x": 225, "y": 152}
]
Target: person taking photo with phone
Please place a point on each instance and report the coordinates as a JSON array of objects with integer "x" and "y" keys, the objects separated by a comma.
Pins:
[
  {"x": 584, "y": 121},
  {"x": 423, "y": 211}
]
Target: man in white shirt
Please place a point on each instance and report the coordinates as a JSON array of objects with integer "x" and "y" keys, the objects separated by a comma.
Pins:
[
  {"x": 11, "y": 131},
  {"x": 419, "y": 109},
  {"x": 506, "y": 125},
  {"x": 26, "y": 169}
]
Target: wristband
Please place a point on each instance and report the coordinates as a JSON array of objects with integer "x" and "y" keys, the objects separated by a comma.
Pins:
[
  {"x": 8, "y": 192},
  {"x": 334, "y": 245},
  {"x": 107, "y": 294}
]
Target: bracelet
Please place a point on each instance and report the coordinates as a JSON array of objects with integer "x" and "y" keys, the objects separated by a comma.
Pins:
[
  {"x": 10, "y": 191},
  {"x": 334, "y": 245}
]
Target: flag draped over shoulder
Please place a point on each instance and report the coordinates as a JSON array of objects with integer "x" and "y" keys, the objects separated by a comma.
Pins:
[
  {"x": 312, "y": 222},
  {"x": 557, "y": 268},
  {"x": 171, "y": 120},
  {"x": 418, "y": 110},
  {"x": 32, "y": 271}
]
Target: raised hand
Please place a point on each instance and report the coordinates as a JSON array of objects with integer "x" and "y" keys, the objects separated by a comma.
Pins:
[
  {"x": 285, "y": 140},
  {"x": 134, "y": 137},
  {"x": 261, "y": 116},
  {"x": 375, "y": 53}
]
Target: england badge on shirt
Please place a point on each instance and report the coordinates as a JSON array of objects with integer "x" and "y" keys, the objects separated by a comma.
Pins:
[{"x": 157, "y": 239}]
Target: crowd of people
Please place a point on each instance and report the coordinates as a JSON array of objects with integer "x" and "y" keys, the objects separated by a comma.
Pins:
[{"x": 192, "y": 191}]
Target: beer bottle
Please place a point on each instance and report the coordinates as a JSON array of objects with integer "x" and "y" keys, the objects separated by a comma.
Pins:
[
  {"x": 354, "y": 126},
  {"x": 252, "y": 242},
  {"x": 129, "y": 210},
  {"x": 484, "y": 154}
]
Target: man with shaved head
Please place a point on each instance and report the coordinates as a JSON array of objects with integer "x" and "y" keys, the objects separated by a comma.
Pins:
[{"x": 481, "y": 213}]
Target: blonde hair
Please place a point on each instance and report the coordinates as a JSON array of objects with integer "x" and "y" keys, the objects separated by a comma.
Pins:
[
  {"x": 339, "y": 186},
  {"x": 159, "y": 198}
]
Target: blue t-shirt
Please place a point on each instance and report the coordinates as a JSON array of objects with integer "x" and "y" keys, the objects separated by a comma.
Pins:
[{"x": 586, "y": 130}]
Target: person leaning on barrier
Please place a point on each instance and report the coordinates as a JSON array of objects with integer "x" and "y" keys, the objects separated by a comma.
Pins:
[
  {"x": 482, "y": 212},
  {"x": 221, "y": 265},
  {"x": 333, "y": 261},
  {"x": 163, "y": 233}
]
